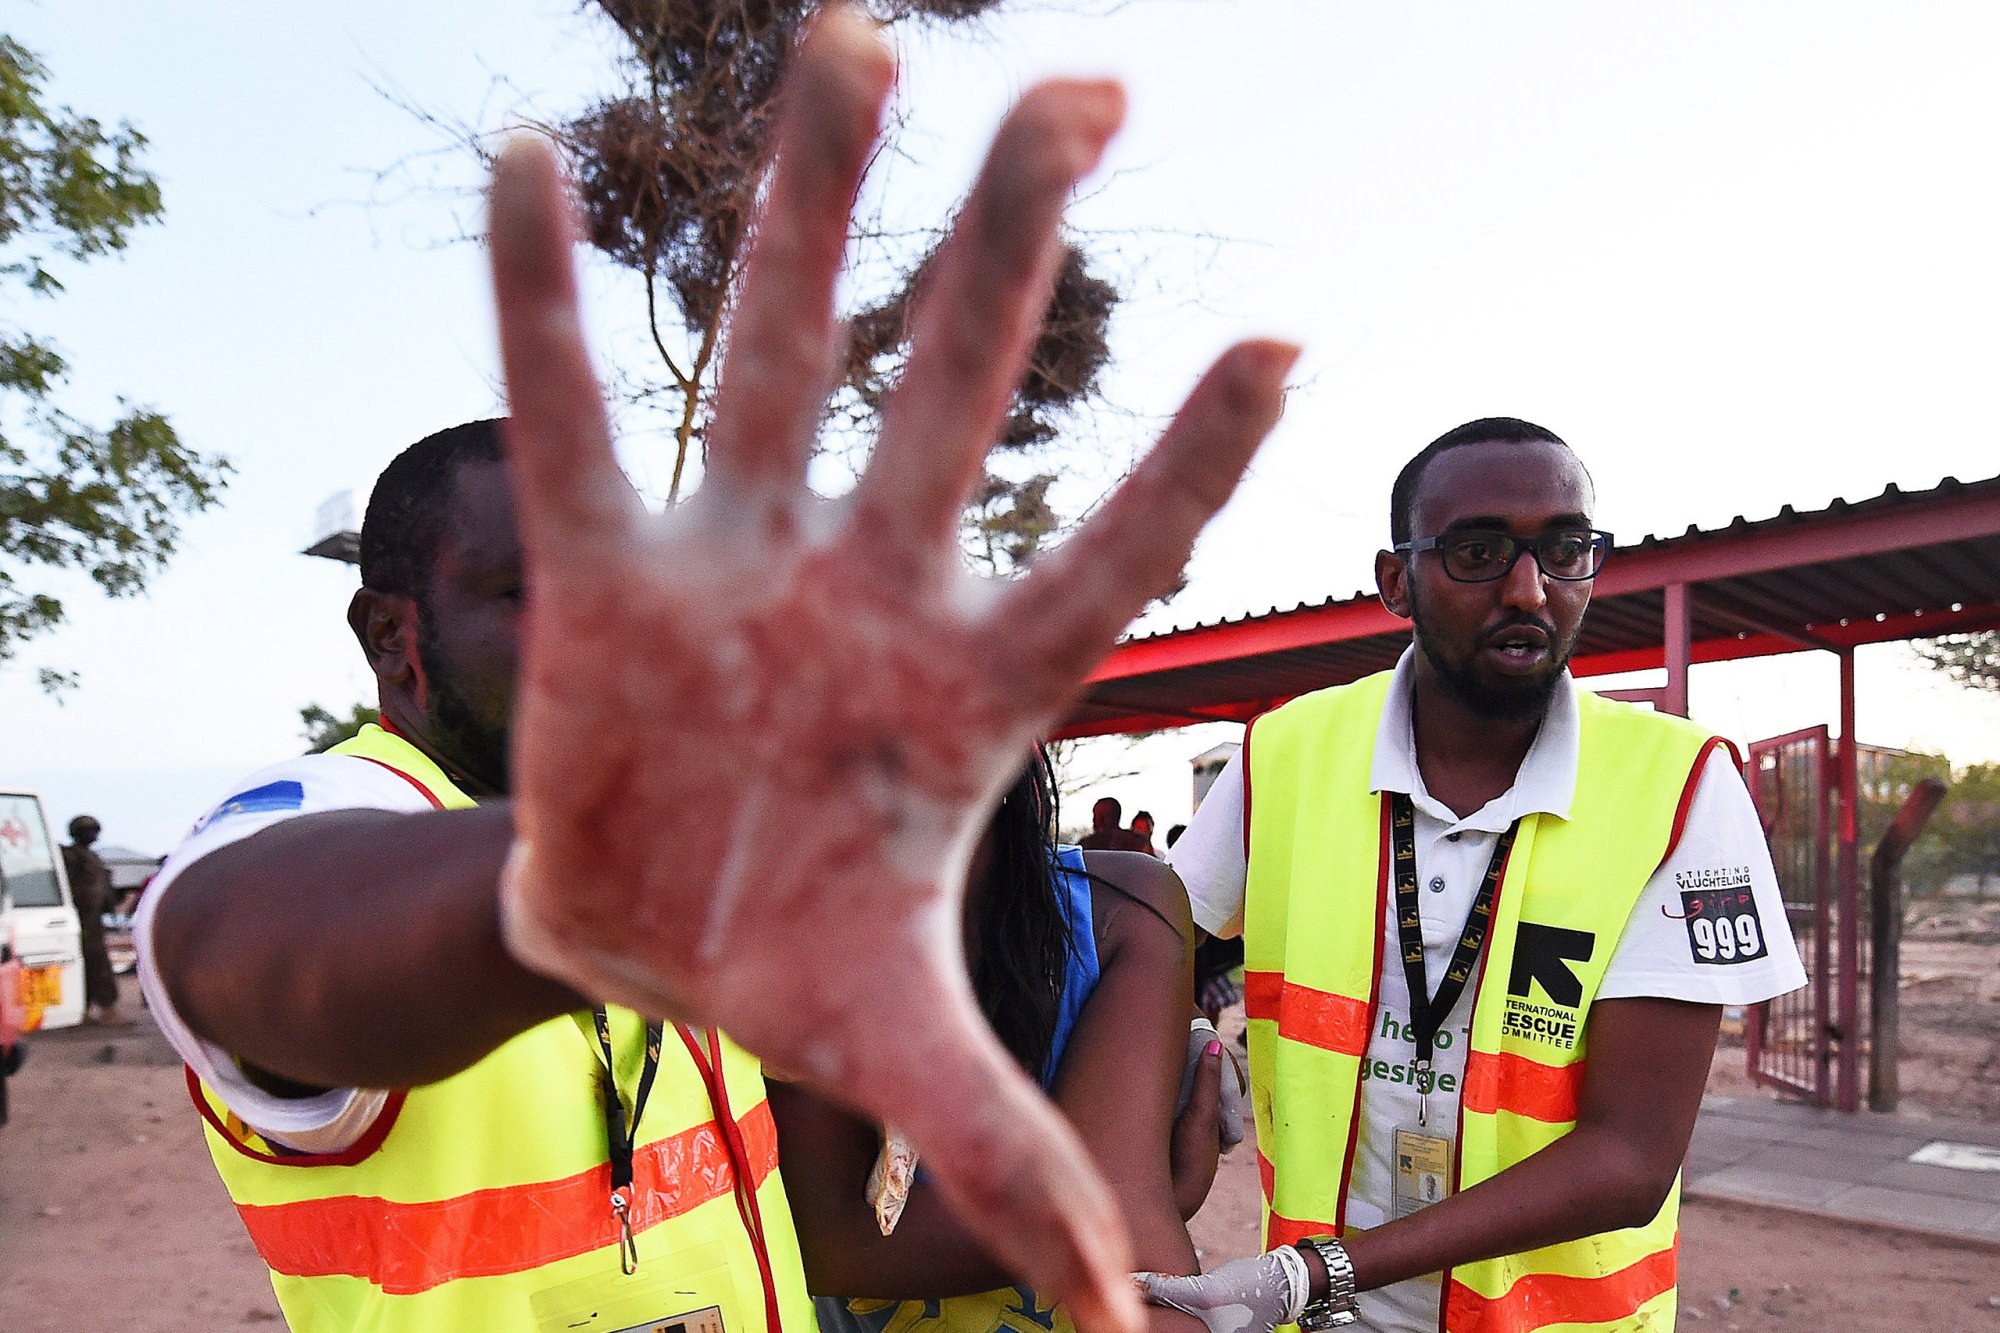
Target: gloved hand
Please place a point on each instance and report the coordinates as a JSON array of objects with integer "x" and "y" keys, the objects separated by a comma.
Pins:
[
  {"x": 1196, "y": 1146},
  {"x": 1232, "y": 1087},
  {"x": 1252, "y": 1295}
]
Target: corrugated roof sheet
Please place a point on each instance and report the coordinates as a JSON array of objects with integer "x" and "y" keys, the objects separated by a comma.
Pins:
[{"x": 1901, "y": 564}]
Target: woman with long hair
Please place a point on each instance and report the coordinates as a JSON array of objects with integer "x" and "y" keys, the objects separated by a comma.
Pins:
[{"x": 1083, "y": 964}]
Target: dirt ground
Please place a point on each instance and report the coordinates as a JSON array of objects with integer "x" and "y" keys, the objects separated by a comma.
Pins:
[
  {"x": 1950, "y": 998},
  {"x": 111, "y": 1217},
  {"x": 110, "y": 1214},
  {"x": 1949, "y": 1066}
]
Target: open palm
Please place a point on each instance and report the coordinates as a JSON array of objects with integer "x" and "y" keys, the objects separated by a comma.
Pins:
[{"x": 756, "y": 737}]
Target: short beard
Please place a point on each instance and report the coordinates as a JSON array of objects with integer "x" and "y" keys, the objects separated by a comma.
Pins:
[
  {"x": 1518, "y": 701},
  {"x": 477, "y": 748}
]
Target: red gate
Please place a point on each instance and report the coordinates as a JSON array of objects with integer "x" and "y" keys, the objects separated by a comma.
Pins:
[{"x": 1791, "y": 1040}]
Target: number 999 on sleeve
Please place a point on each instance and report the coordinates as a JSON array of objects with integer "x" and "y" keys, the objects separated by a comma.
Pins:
[{"x": 1723, "y": 926}]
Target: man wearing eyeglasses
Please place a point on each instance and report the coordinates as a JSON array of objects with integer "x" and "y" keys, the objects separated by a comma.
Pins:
[{"x": 1455, "y": 881}]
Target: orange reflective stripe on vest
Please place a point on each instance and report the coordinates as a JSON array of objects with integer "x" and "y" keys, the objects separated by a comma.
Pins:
[
  {"x": 1537, "y": 1300},
  {"x": 1317, "y": 880},
  {"x": 503, "y": 1230},
  {"x": 1514, "y": 1083},
  {"x": 484, "y": 1200},
  {"x": 1315, "y": 1017}
]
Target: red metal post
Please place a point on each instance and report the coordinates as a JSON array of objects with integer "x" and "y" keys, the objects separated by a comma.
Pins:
[
  {"x": 1791, "y": 1038},
  {"x": 1847, "y": 1073},
  {"x": 1825, "y": 896},
  {"x": 1679, "y": 651}
]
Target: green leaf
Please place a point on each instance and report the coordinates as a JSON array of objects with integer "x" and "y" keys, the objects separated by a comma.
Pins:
[
  {"x": 105, "y": 500},
  {"x": 325, "y": 729}
]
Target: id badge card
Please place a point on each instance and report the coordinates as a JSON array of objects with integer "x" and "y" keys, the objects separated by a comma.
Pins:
[
  {"x": 1422, "y": 1171},
  {"x": 662, "y": 1297}
]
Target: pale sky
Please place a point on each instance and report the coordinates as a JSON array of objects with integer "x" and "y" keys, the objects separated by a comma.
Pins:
[{"x": 1740, "y": 255}]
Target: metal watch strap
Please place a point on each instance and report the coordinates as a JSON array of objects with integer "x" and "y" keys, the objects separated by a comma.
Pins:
[{"x": 1336, "y": 1308}]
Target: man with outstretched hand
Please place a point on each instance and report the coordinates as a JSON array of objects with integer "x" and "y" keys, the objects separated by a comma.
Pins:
[
  {"x": 1454, "y": 880},
  {"x": 598, "y": 893}
]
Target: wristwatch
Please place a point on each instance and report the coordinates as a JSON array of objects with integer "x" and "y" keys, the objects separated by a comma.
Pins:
[{"x": 1336, "y": 1308}]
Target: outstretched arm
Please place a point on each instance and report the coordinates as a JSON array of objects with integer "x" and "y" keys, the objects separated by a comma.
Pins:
[
  {"x": 298, "y": 948},
  {"x": 687, "y": 678}
]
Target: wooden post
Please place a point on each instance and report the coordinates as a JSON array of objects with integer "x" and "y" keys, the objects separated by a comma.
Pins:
[
  {"x": 1886, "y": 936},
  {"x": 1847, "y": 941}
]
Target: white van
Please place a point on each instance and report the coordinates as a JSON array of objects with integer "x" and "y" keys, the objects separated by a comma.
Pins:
[{"x": 38, "y": 915}]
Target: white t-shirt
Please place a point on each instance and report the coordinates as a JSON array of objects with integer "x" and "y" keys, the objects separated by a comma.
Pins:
[
  {"x": 1659, "y": 955},
  {"x": 310, "y": 784}
]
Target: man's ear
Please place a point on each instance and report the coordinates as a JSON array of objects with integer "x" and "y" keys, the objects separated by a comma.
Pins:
[
  {"x": 385, "y": 625},
  {"x": 1392, "y": 583}
]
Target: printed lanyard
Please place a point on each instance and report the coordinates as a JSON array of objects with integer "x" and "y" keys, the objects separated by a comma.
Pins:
[
  {"x": 1428, "y": 1015},
  {"x": 624, "y": 1140},
  {"x": 624, "y": 1134}
]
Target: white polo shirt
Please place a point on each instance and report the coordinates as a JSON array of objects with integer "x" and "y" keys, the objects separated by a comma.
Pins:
[{"x": 1658, "y": 956}]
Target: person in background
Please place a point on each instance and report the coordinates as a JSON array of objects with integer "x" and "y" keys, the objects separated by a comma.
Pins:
[
  {"x": 1082, "y": 963},
  {"x": 1142, "y": 829},
  {"x": 1107, "y": 834},
  {"x": 90, "y": 887}
]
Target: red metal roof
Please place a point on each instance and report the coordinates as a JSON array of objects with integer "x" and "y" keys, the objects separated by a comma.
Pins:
[{"x": 1899, "y": 565}]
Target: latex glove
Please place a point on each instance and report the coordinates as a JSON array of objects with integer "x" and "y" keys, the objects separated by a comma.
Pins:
[
  {"x": 1252, "y": 1295},
  {"x": 1230, "y": 1089},
  {"x": 756, "y": 737},
  {"x": 1196, "y": 1146}
]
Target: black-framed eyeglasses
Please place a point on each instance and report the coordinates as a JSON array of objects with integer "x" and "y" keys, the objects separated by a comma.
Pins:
[{"x": 1476, "y": 555}]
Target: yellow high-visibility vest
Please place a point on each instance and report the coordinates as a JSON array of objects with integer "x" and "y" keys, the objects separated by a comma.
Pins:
[
  {"x": 1318, "y": 885},
  {"x": 481, "y": 1202}
]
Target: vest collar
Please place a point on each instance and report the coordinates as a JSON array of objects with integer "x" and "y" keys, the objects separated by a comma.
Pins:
[
  {"x": 385, "y": 745},
  {"x": 1544, "y": 784}
]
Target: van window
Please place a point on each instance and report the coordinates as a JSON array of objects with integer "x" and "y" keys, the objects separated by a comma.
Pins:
[{"x": 27, "y": 862}]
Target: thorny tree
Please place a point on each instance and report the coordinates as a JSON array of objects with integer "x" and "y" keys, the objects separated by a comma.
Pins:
[{"x": 667, "y": 172}]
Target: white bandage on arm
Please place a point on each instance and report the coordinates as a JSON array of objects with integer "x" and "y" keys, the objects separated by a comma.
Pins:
[{"x": 323, "y": 1123}]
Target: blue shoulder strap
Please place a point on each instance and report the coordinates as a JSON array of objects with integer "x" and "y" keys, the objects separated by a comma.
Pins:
[{"x": 1081, "y": 972}]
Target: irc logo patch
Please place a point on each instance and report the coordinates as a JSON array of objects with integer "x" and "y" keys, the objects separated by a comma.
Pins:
[
  {"x": 271, "y": 797},
  {"x": 1542, "y": 958}
]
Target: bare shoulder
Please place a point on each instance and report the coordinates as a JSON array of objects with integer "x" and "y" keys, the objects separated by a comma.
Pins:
[{"x": 1138, "y": 897}]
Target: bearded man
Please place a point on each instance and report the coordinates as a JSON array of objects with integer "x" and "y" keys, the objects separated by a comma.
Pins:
[{"x": 1454, "y": 879}]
